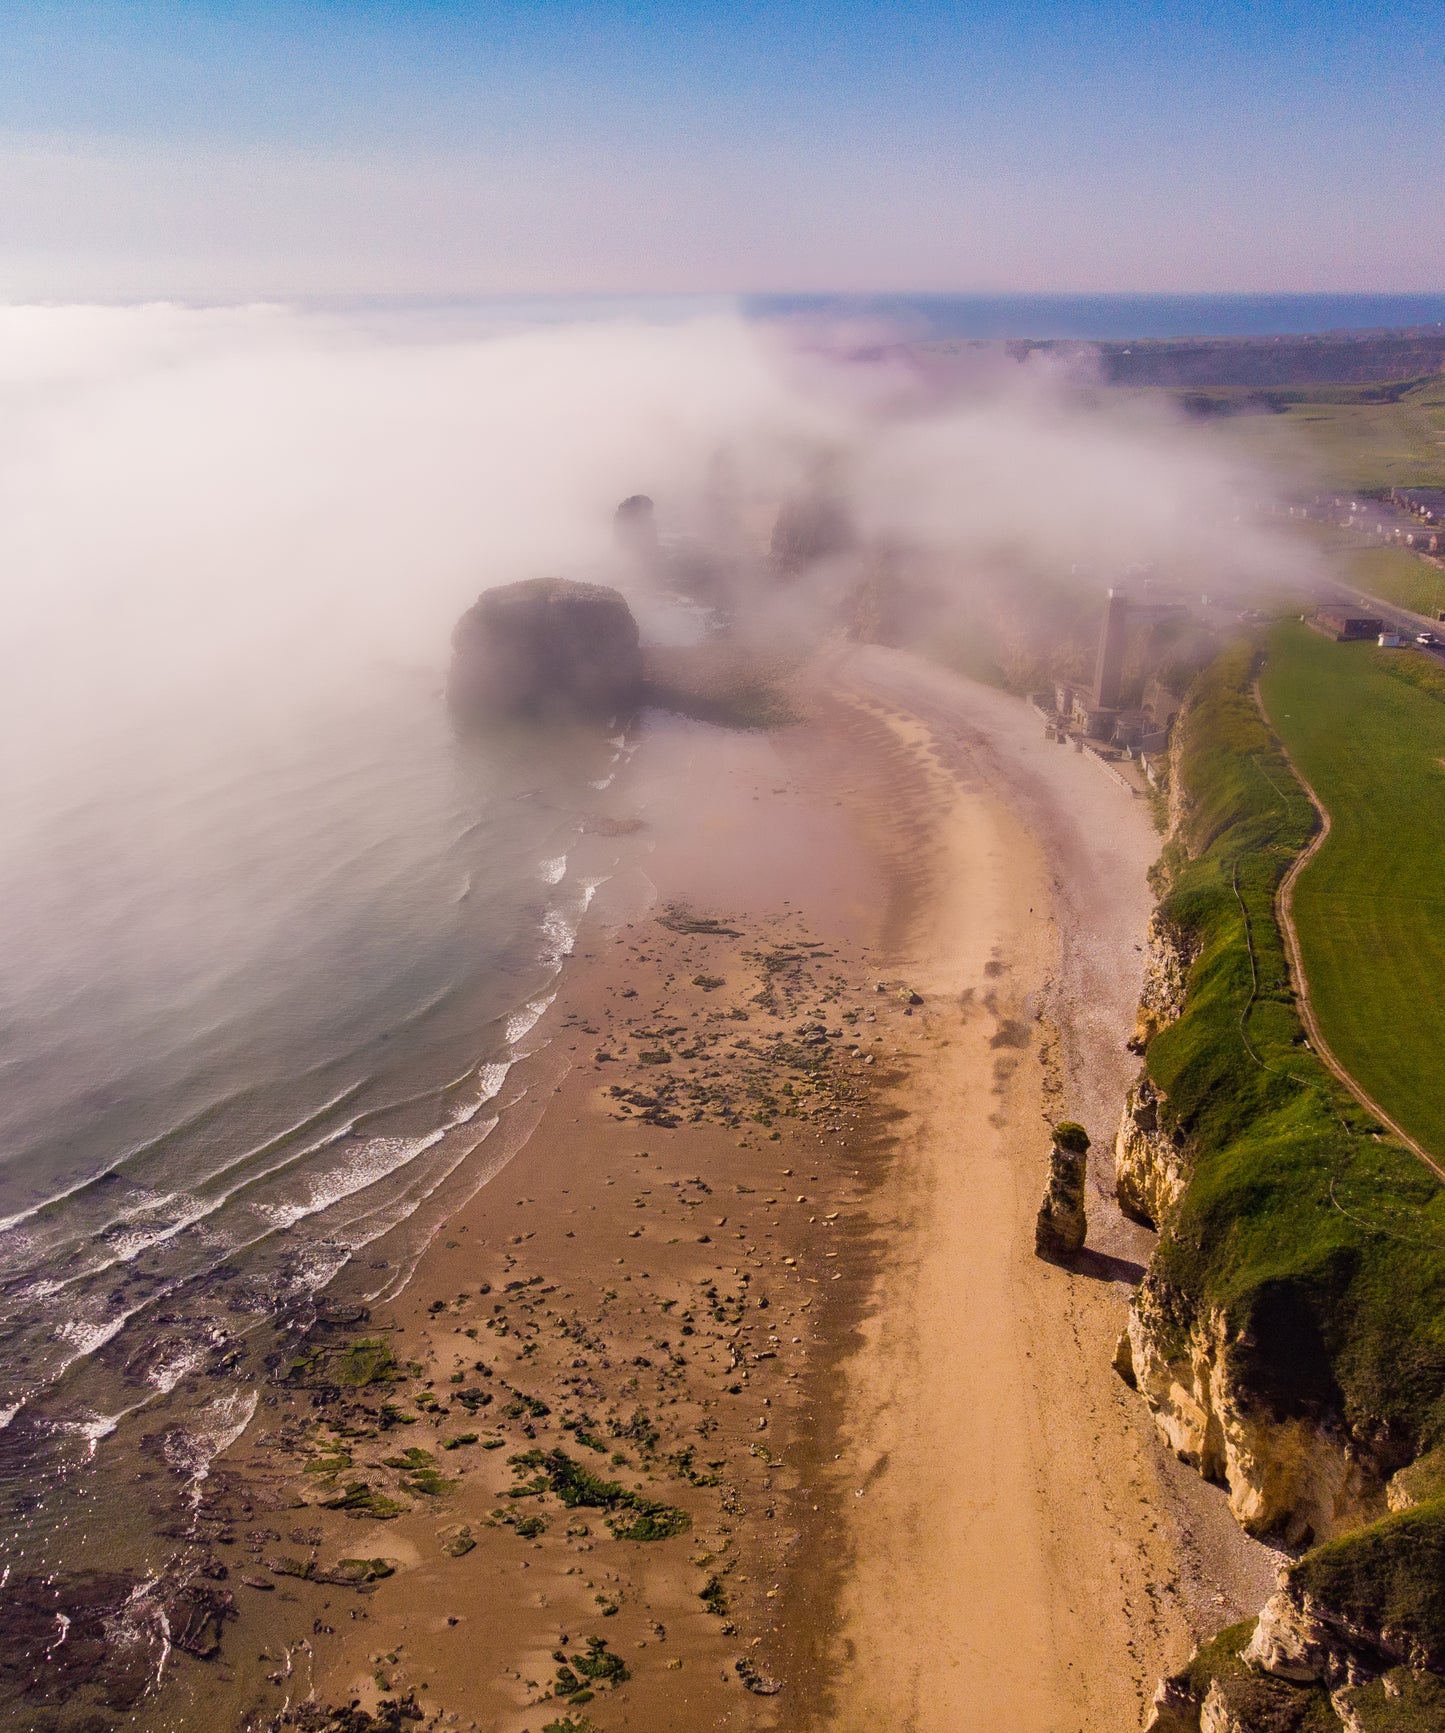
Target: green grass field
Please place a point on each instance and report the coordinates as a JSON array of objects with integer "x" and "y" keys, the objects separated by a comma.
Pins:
[
  {"x": 1370, "y": 907},
  {"x": 1396, "y": 575},
  {"x": 1321, "y": 1242},
  {"x": 1349, "y": 444}
]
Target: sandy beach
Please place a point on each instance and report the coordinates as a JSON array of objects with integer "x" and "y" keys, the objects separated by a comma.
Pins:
[{"x": 739, "y": 1397}]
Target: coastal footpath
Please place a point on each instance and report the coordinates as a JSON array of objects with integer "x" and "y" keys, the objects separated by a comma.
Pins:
[{"x": 1286, "y": 1337}]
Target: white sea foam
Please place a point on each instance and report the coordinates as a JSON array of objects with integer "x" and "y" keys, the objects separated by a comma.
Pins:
[
  {"x": 390, "y": 1215},
  {"x": 554, "y": 871},
  {"x": 559, "y": 935},
  {"x": 490, "y": 1078},
  {"x": 375, "y": 1160},
  {"x": 167, "y": 1373},
  {"x": 144, "y": 1200},
  {"x": 214, "y": 1428},
  {"x": 92, "y": 1429},
  {"x": 89, "y": 1337},
  {"x": 135, "y": 1237},
  {"x": 522, "y": 1023},
  {"x": 24, "y": 1215}
]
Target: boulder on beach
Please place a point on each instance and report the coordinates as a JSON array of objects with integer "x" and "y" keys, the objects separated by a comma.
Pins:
[
  {"x": 634, "y": 526},
  {"x": 545, "y": 649},
  {"x": 1061, "y": 1225}
]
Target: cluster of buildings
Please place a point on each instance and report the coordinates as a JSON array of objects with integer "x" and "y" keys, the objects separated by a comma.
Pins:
[
  {"x": 1425, "y": 503},
  {"x": 1412, "y": 517}
]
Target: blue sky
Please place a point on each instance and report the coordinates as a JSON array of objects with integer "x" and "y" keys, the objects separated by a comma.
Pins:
[{"x": 219, "y": 150}]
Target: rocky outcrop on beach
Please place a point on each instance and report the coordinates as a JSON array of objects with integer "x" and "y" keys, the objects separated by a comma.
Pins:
[
  {"x": 545, "y": 649},
  {"x": 634, "y": 526},
  {"x": 1062, "y": 1223}
]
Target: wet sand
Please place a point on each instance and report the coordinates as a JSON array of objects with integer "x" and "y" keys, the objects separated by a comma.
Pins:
[{"x": 739, "y": 1398}]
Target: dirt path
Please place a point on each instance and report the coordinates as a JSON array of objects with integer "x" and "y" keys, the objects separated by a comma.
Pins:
[{"x": 1285, "y": 909}]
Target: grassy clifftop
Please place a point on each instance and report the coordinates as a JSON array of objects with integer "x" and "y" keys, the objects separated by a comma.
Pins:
[
  {"x": 1321, "y": 1242},
  {"x": 1370, "y": 906},
  {"x": 1349, "y": 442}
]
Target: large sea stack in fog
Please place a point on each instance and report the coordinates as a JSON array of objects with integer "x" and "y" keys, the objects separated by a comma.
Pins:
[{"x": 546, "y": 649}]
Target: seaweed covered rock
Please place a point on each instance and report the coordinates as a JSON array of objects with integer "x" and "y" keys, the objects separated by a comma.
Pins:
[
  {"x": 545, "y": 649},
  {"x": 1062, "y": 1223}
]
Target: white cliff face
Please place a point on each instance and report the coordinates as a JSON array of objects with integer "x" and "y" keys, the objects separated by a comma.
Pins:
[
  {"x": 1216, "y": 1715},
  {"x": 1179, "y": 804},
  {"x": 1168, "y": 957},
  {"x": 1298, "y": 1639},
  {"x": 1293, "y": 1476},
  {"x": 1174, "y": 1709},
  {"x": 1419, "y": 1482},
  {"x": 1151, "y": 1168},
  {"x": 1285, "y": 1644}
]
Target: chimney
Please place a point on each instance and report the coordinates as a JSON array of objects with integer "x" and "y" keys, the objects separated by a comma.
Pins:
[{"x": 1109, "y": 668}]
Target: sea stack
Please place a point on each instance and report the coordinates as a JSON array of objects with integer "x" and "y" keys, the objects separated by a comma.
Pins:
[
  {"x": 810, "y": 527},
  {"x": 1062, "y": 1224},
  {"x": 634, "y": 526},
  {"x": 547, "y": 649}
]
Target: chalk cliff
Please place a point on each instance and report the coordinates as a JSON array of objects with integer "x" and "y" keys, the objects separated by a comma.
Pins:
[
  {"x": 1286, "y": 1346},
  {"x": 1352, "y": 1638},
  {"x": 1151, "y": 1163},
  {"x": 1302, "y": 1476}
]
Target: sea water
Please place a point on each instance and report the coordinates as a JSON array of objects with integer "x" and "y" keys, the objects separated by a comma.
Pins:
[{"x": 262, "y": 994}]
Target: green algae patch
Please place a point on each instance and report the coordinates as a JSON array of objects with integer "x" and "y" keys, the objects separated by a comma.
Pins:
[{"x": 633, "y": 1516}]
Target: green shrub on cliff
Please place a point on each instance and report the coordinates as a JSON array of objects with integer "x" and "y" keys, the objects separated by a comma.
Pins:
[
  {"x": 1070, "y": 1135},
  {"x": 1322, "y": 1243},
  {"x": 1387, "y": 1580}
]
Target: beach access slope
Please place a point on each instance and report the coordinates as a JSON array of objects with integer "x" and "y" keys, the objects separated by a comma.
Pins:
[{"x": 765, "y": 1265}]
